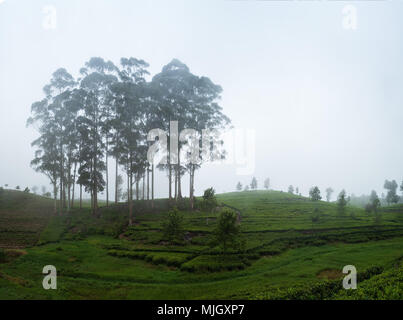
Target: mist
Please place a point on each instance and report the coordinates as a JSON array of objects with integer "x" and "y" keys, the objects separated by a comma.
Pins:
[{"x": 325, "y": 102}]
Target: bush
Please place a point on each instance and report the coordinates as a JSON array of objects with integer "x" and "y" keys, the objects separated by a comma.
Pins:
[
  {"x": 209, "y": 199},
  {"x": 173, "y": 227},
  {"x": 227, "y": 233}
]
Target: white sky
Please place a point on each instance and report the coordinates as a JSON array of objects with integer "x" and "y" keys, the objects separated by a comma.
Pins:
[{"x": 325, "y": 102}]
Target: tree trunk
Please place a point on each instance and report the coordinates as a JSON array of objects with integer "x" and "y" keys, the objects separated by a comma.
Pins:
[
  {"x": 116, "y": 181},
  {"x": 131, "y": 200},
  {"x": 179, "y": 172},
  {"x": 144, "y": 185},
  {"x": 176, "y": 182},
  {"x": 137, "y": 186},
  {"x": 107, "y": 176},
  {"x": 74, "y": 184},
  {"x": 61, "y": 196},
  {"x": 148, "y": 183},
  {"x": 192, "y": 171},
  {"x": 152, "y": 186},
  {"x": 170, "y": 180},
  {"x": 81, "y": 196},
  {"x": 55, "y": 197}
]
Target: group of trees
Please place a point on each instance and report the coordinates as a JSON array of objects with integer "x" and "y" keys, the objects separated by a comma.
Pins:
[
  {"x": 108, "y": 111},
  {"x": 251, "y": 186}
]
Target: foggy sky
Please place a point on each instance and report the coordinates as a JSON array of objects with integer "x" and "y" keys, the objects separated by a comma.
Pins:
[{"x": 325, "y": 102}]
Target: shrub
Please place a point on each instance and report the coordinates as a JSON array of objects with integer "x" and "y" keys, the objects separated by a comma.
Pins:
[
  {"x": 209, "y": 199},
  {"x": 227, "y": 232},
  {"x": 173, "y": 227}
]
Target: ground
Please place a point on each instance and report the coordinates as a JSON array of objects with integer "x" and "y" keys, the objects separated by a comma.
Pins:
[{"x": 286, "y": 254}]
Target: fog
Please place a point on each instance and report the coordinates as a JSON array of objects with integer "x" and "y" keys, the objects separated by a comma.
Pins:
[{"x": 325, "y": 102}]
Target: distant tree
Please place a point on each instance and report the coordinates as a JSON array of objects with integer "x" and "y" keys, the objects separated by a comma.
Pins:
[
  {"x": 26, "y": 190},
  {"x": 374, "y": 203},
  {"x": 173, "y": 227},
  {"x": 246, "y": 188},
  {"x": 341, "y": 203},
  {"x": 297, "y": 191},
  {"x": 401, "y": 186},
  {"x": 227, "y": 233},
  {"x": 209, "y": 199},
  {"x": 373, "y": 206},
  {"x": 253, "y": 184},
  {"x": 291, "y": 189},
  {"x": 329, "y": 192},
  {"x": 314, "y": 194},
  {"x": 6, "y": 185},
  {"x": 239, "y": 186},
  {"x": 43, "y": 190},
  {"x": 267, "y": 183},
  {"x": 391, "y": 196},
  {"x": 17, "y": 187},
  {"x": 35, "y": 189}
]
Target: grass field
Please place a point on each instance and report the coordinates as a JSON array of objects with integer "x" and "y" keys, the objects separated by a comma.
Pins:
[{"x": 286, "y": 256}]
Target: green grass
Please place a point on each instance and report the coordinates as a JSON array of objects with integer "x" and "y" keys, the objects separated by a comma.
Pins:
[{"x": 285, "y": 255}]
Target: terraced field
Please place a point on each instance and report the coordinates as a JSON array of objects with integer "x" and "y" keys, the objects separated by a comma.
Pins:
[{"x": 286, "y": 255}]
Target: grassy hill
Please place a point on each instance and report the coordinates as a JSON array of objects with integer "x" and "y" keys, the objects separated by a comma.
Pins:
[
  {"x": 286, "y": 254},
  {"x": 23, "y": 216}
]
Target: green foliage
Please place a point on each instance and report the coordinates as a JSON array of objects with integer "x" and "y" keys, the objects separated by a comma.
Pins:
[
  {"x": 209, "y": 199},
  {"x": 314, "y": 194},
  {"x": 227, "y": 232},
  {"x": 239, "y": 186},
  {"x": 253, "y": 184},
  {"x": 291, "y": 189},
  {"x": 391, "y": 196},
  {"x": 173, "y": 227},
  {"x": 341, "y": 203}
]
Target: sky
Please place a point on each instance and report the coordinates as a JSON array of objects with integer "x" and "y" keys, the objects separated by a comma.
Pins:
[{"x": 320, "y": 90}]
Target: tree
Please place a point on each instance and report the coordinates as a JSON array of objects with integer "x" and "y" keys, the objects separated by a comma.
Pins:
[
  {"x": 35, "y": 189},
  {"x": 391, "y": 196},
  {"x": 173, "y": 227},
  {"x": 329, "y": 192},
  {"x": 374, "y": 203},
  {"x": 17, "y": 187},
  {"x": 246, "y": 188},
  {"x": 253, "y": 184},
  {"x": 341, "y": 203},
  {"x": 297, "y": 191},
  {"x": 192, "y": 101},
  {"x": 314, "y": 194},
  {"x": 291, "y": 189},
  {"x": 267, "y": 183},
  {"x": 26, "y": 190},
  {"x": 239, "y": 186},
  {"x": 227, "y": 232},
  {"x": 209, "y": 199}
]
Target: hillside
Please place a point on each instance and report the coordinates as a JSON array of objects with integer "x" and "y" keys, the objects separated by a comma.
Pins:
[
  {"x": 23, "y": 216},
  {"x": 104, "y": 258}
]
